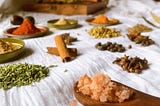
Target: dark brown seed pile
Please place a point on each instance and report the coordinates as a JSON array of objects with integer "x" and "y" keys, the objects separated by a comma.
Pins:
[
  {"x": 134, "y": 65},
  {"x": 112, "y": 47},
  {"x": 140, "y": 39}
]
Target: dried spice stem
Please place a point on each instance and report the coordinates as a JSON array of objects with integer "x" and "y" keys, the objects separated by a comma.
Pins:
[{"x": 53, "y": 50}]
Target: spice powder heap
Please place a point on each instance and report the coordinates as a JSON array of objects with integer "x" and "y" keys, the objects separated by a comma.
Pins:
[
  {"x": 101, "y": 88},
  {"x": 62, "y": 21},
  {"x": 6, "y": 47},
  {"x": 103, "y": 32},
  {"x": 27, "y": 27},
  {"x": 102, "y": 19}
]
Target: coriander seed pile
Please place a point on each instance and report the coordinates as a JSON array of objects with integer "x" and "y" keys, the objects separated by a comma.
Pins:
[{"x": 103, "y": 32}]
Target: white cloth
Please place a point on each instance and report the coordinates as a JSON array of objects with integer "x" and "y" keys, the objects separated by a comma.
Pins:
[{"x": 56, "y": 90}]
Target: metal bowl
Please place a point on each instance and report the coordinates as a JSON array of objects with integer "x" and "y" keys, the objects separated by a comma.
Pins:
[{"x": 43, "y": 31}]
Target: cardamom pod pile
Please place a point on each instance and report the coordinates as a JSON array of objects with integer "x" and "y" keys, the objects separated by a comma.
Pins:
[
  {"x": 112, "y": 47},
  {"x": 140, "y": 39},
  {"x": 131, "y": 64},
  {"x": 21, "y": 74}
]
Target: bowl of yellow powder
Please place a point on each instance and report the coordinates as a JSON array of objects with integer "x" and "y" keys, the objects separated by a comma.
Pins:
[
  {"x": 62, "y": 23},
  {"x": 10, "y": 48}
]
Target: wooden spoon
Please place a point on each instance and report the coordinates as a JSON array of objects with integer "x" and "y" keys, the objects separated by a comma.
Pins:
[{"x": 138, "y": 99}]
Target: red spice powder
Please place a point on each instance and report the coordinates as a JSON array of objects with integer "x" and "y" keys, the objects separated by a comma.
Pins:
[{"x": 26, "y": 28}]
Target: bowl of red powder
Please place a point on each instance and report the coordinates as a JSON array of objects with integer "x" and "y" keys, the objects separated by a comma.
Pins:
[{"x": 26, "y": 30}]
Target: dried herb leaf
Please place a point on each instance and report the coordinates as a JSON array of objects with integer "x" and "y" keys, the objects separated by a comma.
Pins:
[
  {"x": 65, "y": 70},
  {"x": 52, "y": 66}
]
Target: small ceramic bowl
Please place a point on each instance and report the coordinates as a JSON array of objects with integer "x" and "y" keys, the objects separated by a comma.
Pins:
[
  {"x": 73, "y": 24},
  {"x": 43, "y": 31},
  {"x": 12, "y": 55}
]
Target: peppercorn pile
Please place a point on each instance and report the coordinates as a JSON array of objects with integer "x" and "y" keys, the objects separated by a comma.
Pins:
[
  {"x": 139, "y": 28},
  {"x": 21, "y": 74},
  {"x": 134, "y": 65},
  {"x": 103, "y": 32},
  {"x": 140, "y": 39},
  {"x": 112, "y": 47}
]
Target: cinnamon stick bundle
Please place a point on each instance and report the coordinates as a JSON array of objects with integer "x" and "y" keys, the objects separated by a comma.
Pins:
[
  {"x": 53, "y": 50},
  {"x": 62, "y": 49}
]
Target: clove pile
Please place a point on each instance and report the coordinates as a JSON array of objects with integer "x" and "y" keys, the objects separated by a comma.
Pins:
[
  {"x": 112, "y": 47},
  {"x": 131, "y": 64},
  {"x": 140, "y": 39}
]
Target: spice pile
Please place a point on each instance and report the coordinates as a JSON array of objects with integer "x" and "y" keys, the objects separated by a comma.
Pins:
[
  {"x": 27, "y": 27},
  {"x": 6, "y": 47},
  {"x": 21, "y": 74},
  {"x": 103, "y": 32},
  {"x": 134, "y": 65},
  {"x": 101, "y": 88},
  {"x": 62, "y": 21},
  {"x": 113, "y": 47},
  {"x": 140, "y": 39},
  {"x": 139, "y": 28},
  {"x": 102, "y": 19}
]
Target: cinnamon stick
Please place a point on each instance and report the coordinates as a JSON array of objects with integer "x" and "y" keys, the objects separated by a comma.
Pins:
[
  {"x": 62, "y": 48},
  {"x": 53, "y": 50}
]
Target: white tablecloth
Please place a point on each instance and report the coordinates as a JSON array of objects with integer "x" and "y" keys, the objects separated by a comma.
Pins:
[{"x": 56, "y": 89}]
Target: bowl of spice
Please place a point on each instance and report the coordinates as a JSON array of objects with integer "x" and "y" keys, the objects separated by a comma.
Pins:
[
  {"x": 62, "y": 23},
  {"x": 102, "y": 20},
  {"x": 10, "y": 48},
  {"x": 101, "y": 90},
  {"x": 26, "y": 30}
]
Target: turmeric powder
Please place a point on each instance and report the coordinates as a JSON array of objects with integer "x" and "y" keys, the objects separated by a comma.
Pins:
[
  {"x": 25, "y": 28},
  {"x": 101, "y": 19}
]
